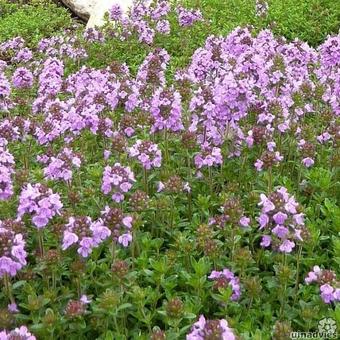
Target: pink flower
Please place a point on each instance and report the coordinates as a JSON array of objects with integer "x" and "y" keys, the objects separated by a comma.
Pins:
[
  {"x": 280, "y": 217},
  {"x": 160, "y": 186},
  {"x": 13, "y": 308},
  {"x": 84, "y": 299},
  {"x": 308, "y": 162},
  {"x": 266, "y": 241},
  {"x": 327, "y": 293},
  {"x": 125, "y": 239},
  {"x": 127, "y": 221},
  {"x": 287, "y": 246},
  {"x": 244, "y": 221},
  {"x": 263, "y": 220}
]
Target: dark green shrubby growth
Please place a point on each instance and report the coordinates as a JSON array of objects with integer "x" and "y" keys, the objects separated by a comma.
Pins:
[
  {"x": 240, "y": 210},
  {"x": 32, "y": 22},
  {"x": 309, "y": 20}
]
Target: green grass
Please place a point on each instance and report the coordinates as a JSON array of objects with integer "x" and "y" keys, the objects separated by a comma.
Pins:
[{"x": 32, "y": 22}]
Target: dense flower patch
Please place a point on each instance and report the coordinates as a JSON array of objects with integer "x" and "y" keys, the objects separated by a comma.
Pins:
[{"x": 167, "y": 204}]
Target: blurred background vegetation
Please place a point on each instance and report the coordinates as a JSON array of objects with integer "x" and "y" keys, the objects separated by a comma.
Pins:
[{"x": 309, "y": 20}]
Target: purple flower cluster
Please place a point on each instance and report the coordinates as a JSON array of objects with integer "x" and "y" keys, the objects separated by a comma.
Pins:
[
  {"x": 21, "y": 333},
  {"x": 166, "y": 110},
  {"x": 119, "y": 224},
  {"x": 60, "y": 167},
  {"x": 152, "y": 70},
  {"x": 261, "y": 8},
  {"x": 211, "y": 329},
  {"x": 15, "y": 50},
  {"x": 328, "y": 72},
  {"x": 329, "y": 286},
  {"x": 209, "y": 156},
  {"x": 22, "y": 78},
  {"x": 281, "y": 218},
  {"x": 50, "y": 82},
  {"x": 62, "y": 46},
  {"x": 6, "y": 172},
  {"x": 187, "y": 17},
  {"x": 268, "y": 159},
  {"x": 40, "y": 202},
  {"x": 147, "y": 153},
  {"x": 93, "y": 35},
  {"x": 85, "y": 233},
  {"x": 145, "y": 19},
  {"x": 224, "y": 279},
  {"x": 12, "y": 251},
  {"x": 5, "y": 92},
  {"x": 117, "y": 179},
  {"x": 116, "y": 13}
]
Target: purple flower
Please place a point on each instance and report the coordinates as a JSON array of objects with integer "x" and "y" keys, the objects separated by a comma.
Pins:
[
  {"x": 258, "y": 165},
  {"x": 60, "y": 167},
  {"x": 116, "y": 12},
  {"x": 224, "y": 279},
  {"x": 18, "y": 333},
  {"x": 280, "y": 217},
  {"x": 117, "y": 180},
  {"x": 187, "y": 17},
  {"x": 307, "y": 162},
  {"x": 40, "y": 202},
  {"x": 327, "y": 293},
  {"x": 245, "y": 221},
  {"x": 287, "y": 246},
  {"x": 266, "y": 241},
  {"x": 84, "y": 299},
  {"x": 6, "y": 172},
  {"x": 266, "y": 204},
  {"x": 163, "y": 26},
  {"x": 263, "y": 220},
  {"x": 280, "y": 231},
  {"x": 327, "y": 281},
  {"x": 280, "y": 220},
  {"x": 160, "y": 186},
  {"x": 203, "y": 329},
  {"x": 147, "y": 154},
  {"x": 85, "y": 233},
  {"x": 125, "y": 239},
  {"x": 119, "y": 224},
  {"x": 13, "y": 308},
  {"x": 166, "y": 109},
  {"x": 209, "y": 156},
  {"x": 12, "y": 252},
  {"x": 22, "y": 78}
]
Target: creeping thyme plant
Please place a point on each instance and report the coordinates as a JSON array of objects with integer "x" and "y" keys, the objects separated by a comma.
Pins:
[{"x": 157, "y": 190}]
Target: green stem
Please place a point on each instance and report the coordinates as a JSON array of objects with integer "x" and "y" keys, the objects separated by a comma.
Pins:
[
  {"x": 297, "y": 273},
  {"x": 283, "y": 298},
  {"x": 78, "y": 286},
  {"x": 54, "y": 281},
  {"x": 232, "y": 243},
  {"x": 8, "y": 288},
  {"x": 270, "y": 180},
  {"x": 41, "y": 242},
  {"x": 210, "y": 180},
  {"x": 250, "y": 304},
  {"x": 189, "y": 193},
  {"x": 145, "y": 181}
]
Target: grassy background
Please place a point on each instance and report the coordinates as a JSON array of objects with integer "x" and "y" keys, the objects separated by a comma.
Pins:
[{"x": 32, "y": 19}]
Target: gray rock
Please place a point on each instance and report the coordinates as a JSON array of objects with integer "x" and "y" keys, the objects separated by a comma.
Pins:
[
  {"x": 82, "y": 8},
  {"x": 93, "y": 11}
]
